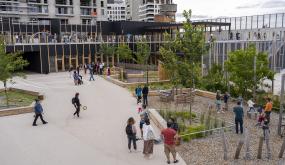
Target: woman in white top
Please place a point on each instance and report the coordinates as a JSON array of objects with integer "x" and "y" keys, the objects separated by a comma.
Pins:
[
  {"x": 250, "y": 104},
  {"x": 148, "y": 137}
]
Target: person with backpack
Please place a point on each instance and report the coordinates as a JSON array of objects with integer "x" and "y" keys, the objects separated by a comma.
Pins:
[
  {"x": 131, "y": 133},
  {"x": 76, "y": 103},
  {"x": 138, "y": 92},
  {"x": 38, "y": 112},
  {"x": 148, "y": 137}
]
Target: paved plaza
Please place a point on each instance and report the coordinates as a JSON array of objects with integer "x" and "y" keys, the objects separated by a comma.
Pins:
[{"x": 97, "y": 137}]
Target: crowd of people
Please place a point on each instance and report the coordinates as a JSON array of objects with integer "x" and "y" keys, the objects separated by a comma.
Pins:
[{"x": 263, "y": 111}]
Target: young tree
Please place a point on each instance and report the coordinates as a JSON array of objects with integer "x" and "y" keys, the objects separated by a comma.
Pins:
[
  {"x": 240, "y": 65},
  {"x": 143, "y": 54},
  {"x": 124, "y": 52},
  {"x": 108, "y": 51},
  {"x": 181, "y": 56},
  {"x": 11, "y": 64}
]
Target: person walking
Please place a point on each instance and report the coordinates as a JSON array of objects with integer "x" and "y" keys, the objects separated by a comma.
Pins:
[
  {"x": 38, "y": 112},
  {"x": 75, "y": 78},
  {"x": 131, "y": 133},
  {"x": 226, "y": 99},
  {"x": 268, "y": 109},
  {"x": 85, "y": 66},
  {"x": 101, "y": 68},
  {"x": 138, "y": 92},
  {"x": 91, "y": 73},
  {"x": 77, "y": 105},
  {"x": 145, "y": 94},
  {"x": 238, "y": 110},
  {"x": 168, "y": 135},
  {"x": 148, "y": 137}
]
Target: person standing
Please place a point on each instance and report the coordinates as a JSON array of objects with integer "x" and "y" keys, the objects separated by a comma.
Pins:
[
  {"x": 101, "y": 68},
  {"x": 77, "y": 105},
  {"x": 226, "y": 99},
  {"x": 168, "y": 135},
  {"x": 148, "y": 137},
  {"x": 78, "y": 69},
  {"x": 138, "y": 92},
  {"x": 75, "y": 78},
  {"x": 91, "y": 73},
  {"x": 238, "y": 110},
  {"x": 38, "y": 113},
  {"x": 218, "y": 101},
  {"x": 131, "y": 133},
  {"x": 145, "y": 94},
  {"x": 85, "y": 68},
  {"x": 268, "y": 109}
]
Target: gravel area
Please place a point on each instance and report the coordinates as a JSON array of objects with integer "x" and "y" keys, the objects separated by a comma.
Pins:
[{"x": 210, "y": 150}]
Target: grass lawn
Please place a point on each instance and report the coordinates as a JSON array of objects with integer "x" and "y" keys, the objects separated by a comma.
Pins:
[{"x": 16, "y": 99}]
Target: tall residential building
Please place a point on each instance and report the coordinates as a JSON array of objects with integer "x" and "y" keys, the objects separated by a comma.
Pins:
[
  {"x": 157, "y": 10},
  {"x": 69, "y": 11},
  {"x": 132, "y": 8},
  {"x": 116, "y": 10}
]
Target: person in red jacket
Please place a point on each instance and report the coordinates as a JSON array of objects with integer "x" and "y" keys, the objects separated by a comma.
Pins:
[{"x": 168, "y": 135}]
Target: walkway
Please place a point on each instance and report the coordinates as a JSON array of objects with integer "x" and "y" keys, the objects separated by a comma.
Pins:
[{"x": 97, "y": 137}]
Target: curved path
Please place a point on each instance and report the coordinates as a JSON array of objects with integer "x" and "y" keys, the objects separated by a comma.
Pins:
[{"x": 97, "y": 137}]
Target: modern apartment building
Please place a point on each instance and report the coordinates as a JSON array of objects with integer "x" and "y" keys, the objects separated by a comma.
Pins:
[
  {"x": 149, "y": 9},
  {"x": 116, "y": 10},
  {"x": 132, "y": 8},
  {"x": 69, "y": 11}
]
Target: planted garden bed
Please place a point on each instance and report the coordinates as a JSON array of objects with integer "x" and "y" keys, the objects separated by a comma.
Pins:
[{"x": 196, "y": 125}]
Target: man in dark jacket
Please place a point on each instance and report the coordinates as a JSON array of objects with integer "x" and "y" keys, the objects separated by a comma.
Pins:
[
  {"x": 145, "y": 94},
  {"x": 76, "y": 103},
  {"x": 38, "y": 112},
  {"x": 238, "y": 110}
]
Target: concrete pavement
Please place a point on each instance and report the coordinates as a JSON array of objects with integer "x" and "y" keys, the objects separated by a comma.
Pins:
[{"x": 97, "y": 137}]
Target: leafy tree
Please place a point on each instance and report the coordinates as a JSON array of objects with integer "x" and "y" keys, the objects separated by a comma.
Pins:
[
  {"x": 11, "y": 64},
  {"x": 108, "y": 51},
  {"x": 181, "y": 56},
  {"x": 215, "y": 79},
  {"x": 241, "y": 68},
  {"x": 143, "y": 54},
  {"x": 124, "y": 52}
]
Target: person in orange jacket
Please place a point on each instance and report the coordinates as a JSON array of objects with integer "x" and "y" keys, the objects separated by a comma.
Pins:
[{"x": 268, "y": 109}]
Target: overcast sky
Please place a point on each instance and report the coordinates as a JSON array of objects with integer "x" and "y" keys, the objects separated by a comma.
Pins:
[{"x": 202, "y": 9}]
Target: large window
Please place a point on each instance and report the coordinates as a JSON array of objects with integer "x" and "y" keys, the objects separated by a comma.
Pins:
[
  {"x": 266, "y": 20},
  {"x": 248, "y": 22},
  {"x": 260, "y": 21},
  {"x": 272, "y": 20},
  {"x": 279, "y": 20},
  {"x": 243, "y": 22}
]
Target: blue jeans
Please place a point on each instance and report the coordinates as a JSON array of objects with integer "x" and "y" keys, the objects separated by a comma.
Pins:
[
  {"x": 91, "y": 77},
  {"x": 134, "y": 140}
]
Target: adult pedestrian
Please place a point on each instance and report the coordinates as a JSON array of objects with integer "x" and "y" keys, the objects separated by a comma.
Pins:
[
  {"x": 148, "y": 137},
  {"x": 78, "y": 69},
  {"x": 101, "y": 68},
  {"x": 250, "y": 104},
  {"x": 268, "y": 109},
  {"x": 218, "y": 101},
  {"x": 75, "y": 78},
  {"x": 168, "y": 135},
  {"x": 131, "y": 133},
  {"x": 226, "y": 99},
  {"x": 85, "y": 68},
  {"x": 91, "y": 73},
  {"x": 77, "y": 105},
  {"x": 38, "y": 112},
  {"x": 145, "y": 94},
  {"x": 174, "y": 124},
  {"x": 138, "y": 92},
  {"x": 238, "y": 110}
]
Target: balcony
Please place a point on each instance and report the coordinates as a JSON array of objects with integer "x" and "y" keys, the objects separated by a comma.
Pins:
[{"x": 168, "y": 8}]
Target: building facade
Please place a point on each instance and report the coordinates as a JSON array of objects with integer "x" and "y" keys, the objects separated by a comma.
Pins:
[
  {"x": 116, "y": 10},
  {"x": 150, "y": 8},
  {"x": 70, "y": 11},
  {"x": 132, "y": 9}
]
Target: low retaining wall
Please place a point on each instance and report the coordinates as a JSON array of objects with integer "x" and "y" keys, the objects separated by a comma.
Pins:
[
  {"x": 39, "y": 95},
  {"x": 20, "y": 110},
  {"x": 17, "y": 110},
  {"x": 157, "y": 119}
]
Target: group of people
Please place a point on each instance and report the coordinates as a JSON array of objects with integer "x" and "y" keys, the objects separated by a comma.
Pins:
[
  {"x": 262, "y": 111},
  {"x": 169, "y": 136},
  {"x": 142, "y": 93},
  {"x": 38, "y": 109}
]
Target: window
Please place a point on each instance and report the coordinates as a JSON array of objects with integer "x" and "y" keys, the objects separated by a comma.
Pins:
[
  {"x": 248, "y": 22},
  {"x": 272, "y": 20},
  {"x": 102, "y": 12},
  {"x": 102, "y": 3},
  {"x": 279, "y": 20}
]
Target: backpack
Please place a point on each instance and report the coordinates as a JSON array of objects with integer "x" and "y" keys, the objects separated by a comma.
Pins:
[
  {"x": 73, "y": 100},
  {"x": 129, "y": 130}
]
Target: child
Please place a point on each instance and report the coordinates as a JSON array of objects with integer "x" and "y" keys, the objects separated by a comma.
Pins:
[
  {"x": 261, "y": 119},
  {"x": 140, "y": 108},
  {"x": 131, "y": 133}
]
